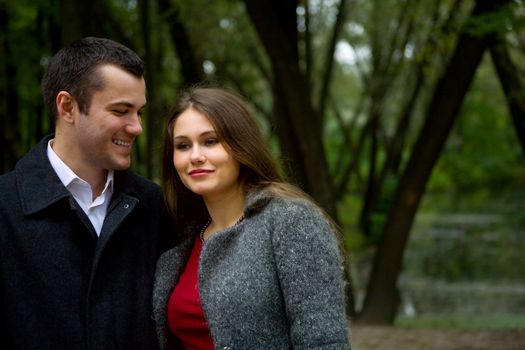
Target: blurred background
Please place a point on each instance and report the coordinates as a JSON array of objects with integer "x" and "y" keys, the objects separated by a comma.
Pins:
[{"x": 404, "y": 119}]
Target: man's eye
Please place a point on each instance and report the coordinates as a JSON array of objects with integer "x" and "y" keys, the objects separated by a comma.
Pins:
[{"x": 119, "y": 112}]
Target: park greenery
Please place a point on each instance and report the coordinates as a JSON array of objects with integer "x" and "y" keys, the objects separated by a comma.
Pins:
[{"x": 382, "y": 110}]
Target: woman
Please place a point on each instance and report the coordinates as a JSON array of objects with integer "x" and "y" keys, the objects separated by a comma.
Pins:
[{"x": 258, "y": 266}]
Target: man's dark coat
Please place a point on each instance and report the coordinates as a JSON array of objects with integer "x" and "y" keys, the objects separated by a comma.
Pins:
[{"x": 61, "y": 286}]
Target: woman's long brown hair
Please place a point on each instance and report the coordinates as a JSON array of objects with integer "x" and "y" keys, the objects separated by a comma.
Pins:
[{"x": 240, "y": 134}]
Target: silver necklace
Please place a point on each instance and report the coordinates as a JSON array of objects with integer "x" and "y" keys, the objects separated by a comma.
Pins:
[
  {"x": 201, "y": 234},
  {"x": 207, "y": 224}
]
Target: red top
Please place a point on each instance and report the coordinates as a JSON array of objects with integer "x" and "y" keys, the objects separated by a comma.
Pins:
[{"x": 185, "y": 315}]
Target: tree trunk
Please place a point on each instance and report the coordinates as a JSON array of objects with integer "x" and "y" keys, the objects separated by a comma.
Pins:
[
  {"x": 77, "y": 20},
  {"x": 330, "y": 57},
  {"x": 154, "y": 110},
  {"x": 276, "y": 25},
  {"x": 393, "y": 157},
  {"x": 382, "y": 296},
  {"x": 511, "y": 80},
  {"x": 374, "y": 123},
  {"x": 191, "y": 68},
  {"x": 10, "y": 128},
  {"x": 289, "y": 140},
  {"x": 291, "y": 156},
  {"x": 4, "y": 54}
]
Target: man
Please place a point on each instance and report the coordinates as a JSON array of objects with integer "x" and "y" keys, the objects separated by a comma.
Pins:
[{"x": 79, "y": 233}]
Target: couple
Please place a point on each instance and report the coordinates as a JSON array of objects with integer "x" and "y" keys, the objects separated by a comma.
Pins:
[{"x": 92, "y": 258}]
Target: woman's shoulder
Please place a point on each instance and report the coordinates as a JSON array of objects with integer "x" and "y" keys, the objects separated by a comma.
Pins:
[
  {"x": 292, "y": 214},
  {"x": 291, "y": 204},
  {"x": 286, "y": 206},
  {"x": 269, "y": 201},
  {"x": 300, "y": 228}
]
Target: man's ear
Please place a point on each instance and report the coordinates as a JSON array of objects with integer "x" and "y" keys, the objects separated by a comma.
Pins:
[{"x": 67, "y": 107}]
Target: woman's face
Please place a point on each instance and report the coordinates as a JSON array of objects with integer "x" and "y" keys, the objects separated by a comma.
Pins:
[{"x": 201, "y": 159}]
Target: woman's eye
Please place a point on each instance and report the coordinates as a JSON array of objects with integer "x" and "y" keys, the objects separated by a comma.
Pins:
[
  {"x": 182, "y": 146},
  {"x": 211, "y": 142}
]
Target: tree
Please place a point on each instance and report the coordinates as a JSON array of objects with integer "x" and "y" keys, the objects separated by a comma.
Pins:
[
  {"x": 388, "y": 69},
  {"x": 9, "y": 106},
  {"x": 382, "y": 298},
  {"x": 512, "y": 82},
  {"x": 190, "y": 67},
  {"x": 299, "y": 126}
]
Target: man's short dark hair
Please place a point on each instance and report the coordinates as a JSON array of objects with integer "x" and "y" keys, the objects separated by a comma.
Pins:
[{"x": 74, "y": 69}]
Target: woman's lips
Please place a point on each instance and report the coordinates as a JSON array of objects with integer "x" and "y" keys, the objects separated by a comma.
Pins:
[{"x": 200, "y": 172}]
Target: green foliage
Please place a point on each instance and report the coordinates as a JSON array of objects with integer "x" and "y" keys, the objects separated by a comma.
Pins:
[
  {"x": 482, "y": 150},
  {"x": 495, "y": 22},
  {"x": 26, "y": 58},
  {"x": 354, "y": 240},
  {"x": 475, "y": 237}
]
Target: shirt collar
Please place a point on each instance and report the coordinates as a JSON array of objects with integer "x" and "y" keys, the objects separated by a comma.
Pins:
[
  {"x": 65, "y": 174},
  {"x": 109, "y": 180}
]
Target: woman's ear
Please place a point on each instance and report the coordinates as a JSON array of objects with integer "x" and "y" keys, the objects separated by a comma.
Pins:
[{"x": 66, "y": 106}]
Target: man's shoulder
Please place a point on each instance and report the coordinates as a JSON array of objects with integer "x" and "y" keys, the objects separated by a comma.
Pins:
[
  {"x": 7, "y": 181},
  {"x": 8, "y": 174},
  {"x": 141, "y": 180},
  {"x": 133, "y": 183},
  {"x": 9, "y": 191}
]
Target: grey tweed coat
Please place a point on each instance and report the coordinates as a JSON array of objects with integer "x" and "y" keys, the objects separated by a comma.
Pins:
[{"x": 273, "y": 281}]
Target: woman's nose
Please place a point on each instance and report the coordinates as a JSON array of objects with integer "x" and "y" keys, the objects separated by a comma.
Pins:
[{"x": 197, "y": 156}]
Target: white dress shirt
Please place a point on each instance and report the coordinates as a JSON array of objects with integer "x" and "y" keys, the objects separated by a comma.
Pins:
[{"x": 81, "y": 190}]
